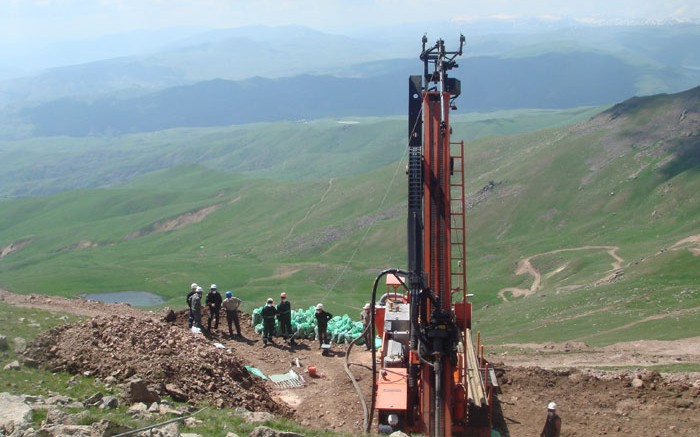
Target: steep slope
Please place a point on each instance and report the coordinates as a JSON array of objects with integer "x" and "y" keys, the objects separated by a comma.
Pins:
[{"x": 586, "y": 232}]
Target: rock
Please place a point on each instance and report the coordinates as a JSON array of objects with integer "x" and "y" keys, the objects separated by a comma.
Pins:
[
  {"x": 231, "y": 434},
  {"x": 94, "y": 400},
  {"x": 110, "y": 380},
  {"x": 15, "y": 414},
  {"x": 3, "y": 343},
  {"x": 66, "y": 430},
  {"x": 257, "y": 416},
  {"x": 191, "y": 421},
  {"x": 170, "y": 315},
  {"x": 169, "y": 430},
  {"x": 637, "y": 383},
  {"x": 137, "y": 391},
  {"x": 398, "y": 434},
  {"x": 165, "y": 409},
  {"x": 30, "y": 362},
  {"x": 682, "y": 403},
  {"x": 12, "y": 365},
  {"x": 20, "y": 345},
  {"x": 139, "y": 408},
  {"x": 263, "y": 431},
  {"x": 54, "y": 416},
  {"x": 154, "y": 408},
  {"x": 107, "y": 428},
  {"x": 109, "y": 402},
  {"x": 176, "y": 393}
]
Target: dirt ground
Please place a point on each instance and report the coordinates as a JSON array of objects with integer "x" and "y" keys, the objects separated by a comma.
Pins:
[{"x": 591, "y": 402}]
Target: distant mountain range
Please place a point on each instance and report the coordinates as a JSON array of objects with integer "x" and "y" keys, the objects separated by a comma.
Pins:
[{"x": 290, "y": 73}]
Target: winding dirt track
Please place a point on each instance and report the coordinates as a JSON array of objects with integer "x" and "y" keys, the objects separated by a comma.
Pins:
[{"x": 525, "y": 267}]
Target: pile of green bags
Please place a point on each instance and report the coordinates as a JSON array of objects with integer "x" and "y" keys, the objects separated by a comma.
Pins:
[{"x": 341, "y": 329}]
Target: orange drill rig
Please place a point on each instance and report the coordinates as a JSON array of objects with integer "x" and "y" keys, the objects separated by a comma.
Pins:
[{"x": 430, "y": 377}]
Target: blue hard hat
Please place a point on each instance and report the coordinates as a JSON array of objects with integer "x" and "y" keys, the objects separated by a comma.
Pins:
[{"x": 229, "y": 294}]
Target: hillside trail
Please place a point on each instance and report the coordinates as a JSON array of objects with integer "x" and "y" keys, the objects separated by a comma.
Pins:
[
  {"x": 525, "y": 266},
  {"x": 592, "y": 402},
  {"x": 311, "y": 208}
]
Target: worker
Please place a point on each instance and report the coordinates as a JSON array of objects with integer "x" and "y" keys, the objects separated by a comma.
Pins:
[
  {"x": 322, "y": 318},
  {"x": 284, "y": 316},
  {"x": 196, "y": 305},
  {"x": 214, "y": 305},
  {"x": 193, "y": 290},
  {"x": 366, "y": 318},
  {"x": 552, "y": 427},
  {"x": 231, "y": 304},
  {"x": 268, "y": 314}
]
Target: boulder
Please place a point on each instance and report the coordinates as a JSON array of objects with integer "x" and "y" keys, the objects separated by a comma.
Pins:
[
  {"x": 20, "y": 345},
  {"x": 12, "y": 365},
  {"x": 3, "y": 343},
  {"x": 137, "y": 391},
  {"x": 15, "y": 414}
]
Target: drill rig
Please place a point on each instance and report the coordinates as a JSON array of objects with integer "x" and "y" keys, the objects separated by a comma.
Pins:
[{"x": 432, "y": 378}]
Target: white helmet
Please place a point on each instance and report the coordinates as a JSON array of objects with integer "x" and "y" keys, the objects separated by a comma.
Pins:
[
  {"x": 319, "y": 306},
  {"x": 366, "y": 307},
  {"x": 193, "y": 286},
  {"x": 199, "y": 290},
  {"x": 551, "y": 406},
  {"x": 213, "y": 287}
]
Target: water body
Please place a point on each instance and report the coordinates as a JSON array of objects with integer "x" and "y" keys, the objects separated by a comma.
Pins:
[{"x": 133, "y": 298}]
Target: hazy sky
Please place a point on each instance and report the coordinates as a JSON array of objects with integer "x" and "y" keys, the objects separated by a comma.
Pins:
[{"x": 24, "y": 20}]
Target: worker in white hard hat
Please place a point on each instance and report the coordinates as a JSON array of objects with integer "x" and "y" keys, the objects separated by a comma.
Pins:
[
  {"x": 193, "y": 290},
  {"x": 365, "y": 316},
  {"x": 268, "y": 313},
  {"x": 284, "y": 316},
  {"x": 196, "y": 305},
  {"x": 322, "y": 318},
  {"x": 552, "y": 427}
]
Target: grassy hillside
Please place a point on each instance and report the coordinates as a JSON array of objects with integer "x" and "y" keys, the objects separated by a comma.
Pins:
[
  {"x": 605, "y": 211},
  {"x": 284, "y": 150}
]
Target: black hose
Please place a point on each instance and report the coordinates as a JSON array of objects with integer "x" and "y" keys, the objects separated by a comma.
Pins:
[{"x": 354, "y": 381}]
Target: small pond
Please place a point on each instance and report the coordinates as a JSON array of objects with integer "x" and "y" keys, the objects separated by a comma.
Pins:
[{"x": 133, "y": 298}]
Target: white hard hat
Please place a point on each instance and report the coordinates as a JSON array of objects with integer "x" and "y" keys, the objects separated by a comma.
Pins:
[
  {"x": 319, "y": 306},
  {"x": 366, "y": 306},
  {"x": 551, "y": 406},
  {"x": 213, "y": 287},
  {"x": 199, "y": 289},
  {"x": 194, "y": 285},
  {"x": 269, "y": 300}
]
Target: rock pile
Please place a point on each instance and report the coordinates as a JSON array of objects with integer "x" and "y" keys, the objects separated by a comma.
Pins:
[{"x": 168, "y": 359}]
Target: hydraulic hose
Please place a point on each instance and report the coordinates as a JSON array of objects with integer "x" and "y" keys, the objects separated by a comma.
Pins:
[{"x": 354, "y": 381}]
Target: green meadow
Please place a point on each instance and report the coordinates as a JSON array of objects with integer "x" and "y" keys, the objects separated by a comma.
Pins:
[{"x": 317, "y": 209}]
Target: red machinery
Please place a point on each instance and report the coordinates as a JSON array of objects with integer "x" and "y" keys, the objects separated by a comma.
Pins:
[{"x": 432, "y": 379}]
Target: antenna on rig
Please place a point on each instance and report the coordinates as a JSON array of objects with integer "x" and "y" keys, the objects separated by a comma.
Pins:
[{"x": 437, "y": 61}]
